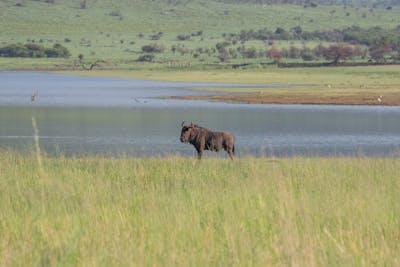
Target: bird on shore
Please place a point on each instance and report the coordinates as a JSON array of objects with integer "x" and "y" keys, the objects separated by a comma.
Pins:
[{"x": 34, "y": 96}]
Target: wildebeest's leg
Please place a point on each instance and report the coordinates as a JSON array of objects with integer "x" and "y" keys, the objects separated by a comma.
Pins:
[
  {"x": 199, "y": 152},
  {"x": 200, "y": 147},
  {"x": 231, "y": 151},
  {"x": 231, "y": 154}
]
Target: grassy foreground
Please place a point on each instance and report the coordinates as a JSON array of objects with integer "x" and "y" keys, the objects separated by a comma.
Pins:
[{"x": 93, "y": 211}]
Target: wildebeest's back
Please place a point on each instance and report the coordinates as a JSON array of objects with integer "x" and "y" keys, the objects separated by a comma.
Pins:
[
  {"x": 213, "y": 140},
  {"x": 216, "y": 141}
]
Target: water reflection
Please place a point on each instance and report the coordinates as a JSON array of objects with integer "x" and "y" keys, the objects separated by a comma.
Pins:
[{"x": 266, "y": 131}]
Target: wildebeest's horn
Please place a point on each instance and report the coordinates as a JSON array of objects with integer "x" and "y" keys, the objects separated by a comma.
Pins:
[
  {"x": 191, "y": 124},
  {"x": 183, "y": 123}
]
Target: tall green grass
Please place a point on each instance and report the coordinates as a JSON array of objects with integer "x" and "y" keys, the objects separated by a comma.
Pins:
[{"x": 95, "y": 211}]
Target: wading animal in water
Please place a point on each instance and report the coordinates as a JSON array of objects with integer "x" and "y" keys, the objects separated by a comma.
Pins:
[{"x": 204, "y": 139}]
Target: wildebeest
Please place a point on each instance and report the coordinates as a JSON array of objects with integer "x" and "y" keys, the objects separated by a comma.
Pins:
[{"x": 204, "y": 139}]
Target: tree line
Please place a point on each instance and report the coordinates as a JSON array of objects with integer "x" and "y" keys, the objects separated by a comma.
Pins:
[
  {"x": 353, "y": 35},
  {"x": 352, "y": 42},
  {"x": 375, "y": 44}
]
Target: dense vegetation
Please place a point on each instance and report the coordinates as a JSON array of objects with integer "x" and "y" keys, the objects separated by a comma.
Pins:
[
  {"x": 353, "y": 42},
  {"x": 33, "y": 50},
  {"x": 120, "y": 33}
]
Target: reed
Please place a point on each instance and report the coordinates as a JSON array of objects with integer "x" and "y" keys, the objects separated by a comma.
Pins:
[{"x": 176, "y": 211}]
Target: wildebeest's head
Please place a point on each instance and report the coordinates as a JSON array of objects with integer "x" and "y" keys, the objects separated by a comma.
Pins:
[{"x": 186, "y": 131}]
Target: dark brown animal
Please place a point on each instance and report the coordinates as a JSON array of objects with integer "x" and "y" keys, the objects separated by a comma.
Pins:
[{"x": 204, "y": 139}]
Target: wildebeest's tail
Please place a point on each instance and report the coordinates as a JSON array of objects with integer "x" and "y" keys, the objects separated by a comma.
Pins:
[{"x": 233, "y": 149}]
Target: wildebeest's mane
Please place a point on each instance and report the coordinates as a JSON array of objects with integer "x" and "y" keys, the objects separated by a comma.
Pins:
[{"x": 200, "y": 127}]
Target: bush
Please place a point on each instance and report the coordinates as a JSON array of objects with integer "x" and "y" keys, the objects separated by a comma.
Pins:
[
  {"x": 57, "y": 51},
  {"x": 274, "y": 54},
  {"x": 184, "y": 37},
  {"x": 153, "y": 48},
  {"x": 33, "y": 50},
  {"x": 146, "y": 58},
  {"x": 115, "y": 13}
]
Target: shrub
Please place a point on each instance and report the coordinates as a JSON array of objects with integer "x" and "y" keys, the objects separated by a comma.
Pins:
[
  {"x": 115, "y": 13},
  {"x": 184, "y": 37},
  {"x": 156, "y": 36},
  {"x": 274, "y": 54},
  {"x": 83, "y": 4},
  {"x": 57, "y": 51},
  {"x": 153, "y": 48},
  {"x": 34, "y": 50},
  {"x": 146, "y": 58}
]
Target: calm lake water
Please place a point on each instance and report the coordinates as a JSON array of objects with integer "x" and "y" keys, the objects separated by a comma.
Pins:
[{"x": 124, "y": 117}]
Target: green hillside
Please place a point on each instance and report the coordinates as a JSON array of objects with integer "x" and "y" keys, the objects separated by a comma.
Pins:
[{"x": 117, "y": 30}]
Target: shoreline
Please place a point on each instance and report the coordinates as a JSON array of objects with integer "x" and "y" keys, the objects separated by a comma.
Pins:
[
  {"x": 339, "y": 86},
  {"x": 296, "y": 99}
]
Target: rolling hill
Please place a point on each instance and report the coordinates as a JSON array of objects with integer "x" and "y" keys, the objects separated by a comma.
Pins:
[{"x": 117, "y": 30}]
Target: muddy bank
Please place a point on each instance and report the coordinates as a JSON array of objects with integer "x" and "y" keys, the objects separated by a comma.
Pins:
[{"x": 392, "y": 99}]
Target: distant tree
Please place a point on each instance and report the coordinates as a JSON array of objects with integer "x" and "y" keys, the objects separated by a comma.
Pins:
[
  {"x": 294, "y": 52},
  {"x": 198, "y": 33},
  {"x": 146, "y": 58},
  {"x": 338, "y": 52},
  {"x": 224, "y": 55},
  {"x": 319, "y": 51},
  {"x": 378, "y": 52},
  {"x": 297, "y": 31},
  {"x": 250, "y": 52},
  {"x": 152, "y": 48},
  {"x": 222, "y": 46},
  {"x": 184, "y": 37},
  {"x": 280, "y": 30},
  {"x": 156, "y": 36},
  {"x": 274, "y": 54},
  {"x": 58, "y": 50},
  {"x": 83, "y": 4},
  {"x": 307, "y": 54},
  {"x": 281, "y": 34}
]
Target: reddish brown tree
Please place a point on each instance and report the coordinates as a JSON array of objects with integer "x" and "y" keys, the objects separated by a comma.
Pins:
[
  {"x": 274, "y": 54},
  {"x": 338, "y": 52}
]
